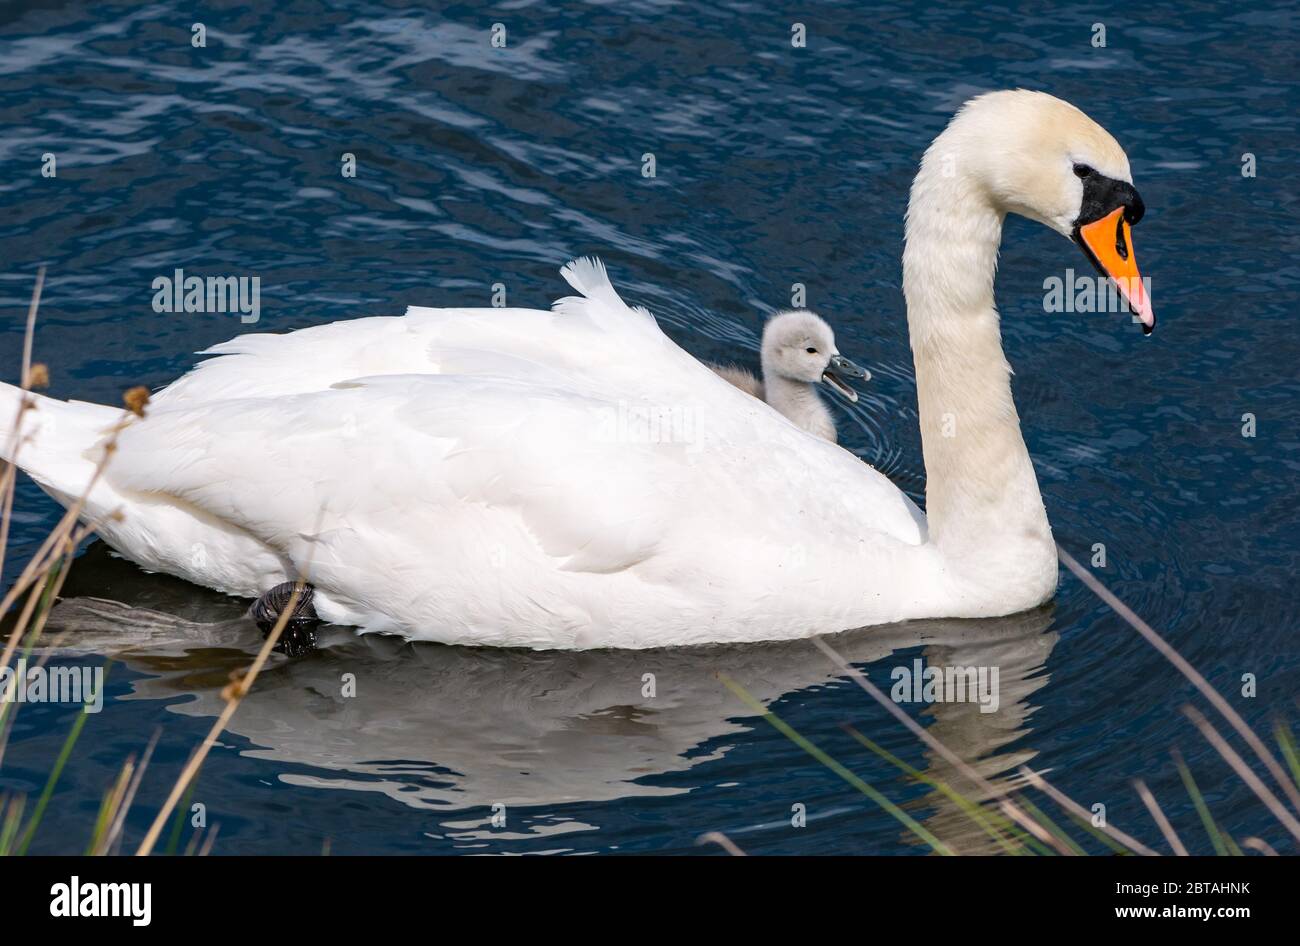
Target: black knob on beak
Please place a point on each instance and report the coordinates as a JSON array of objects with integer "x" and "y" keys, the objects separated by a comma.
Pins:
[{"x": 1134, "y": 208}]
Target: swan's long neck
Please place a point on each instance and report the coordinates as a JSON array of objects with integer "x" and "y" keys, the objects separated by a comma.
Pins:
[
  {"x": 799, "y": 402},
  {"x": 984, "y": 509}
]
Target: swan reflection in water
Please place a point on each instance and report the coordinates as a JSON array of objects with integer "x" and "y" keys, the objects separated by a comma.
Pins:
[{"x": 460, "y": 729}]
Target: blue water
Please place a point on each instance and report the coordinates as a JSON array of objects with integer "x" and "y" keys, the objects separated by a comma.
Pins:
[{"x": 775, "y": 165}]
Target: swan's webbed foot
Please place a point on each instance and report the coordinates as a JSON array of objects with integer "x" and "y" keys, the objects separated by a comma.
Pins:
[{"x": 299, "y": 634}]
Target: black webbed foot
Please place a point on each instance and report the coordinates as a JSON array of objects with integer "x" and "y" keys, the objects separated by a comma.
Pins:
[{"x": 299, "y": 634}]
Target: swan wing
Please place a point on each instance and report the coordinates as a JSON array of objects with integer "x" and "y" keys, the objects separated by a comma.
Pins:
[{"x": 515, "y": 507}]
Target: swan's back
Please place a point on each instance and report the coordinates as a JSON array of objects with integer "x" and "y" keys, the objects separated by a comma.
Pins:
[{"x": 531, "y": 478}]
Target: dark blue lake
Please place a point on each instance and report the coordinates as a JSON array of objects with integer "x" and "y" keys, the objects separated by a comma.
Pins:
[{"x": 774, "y": 165}]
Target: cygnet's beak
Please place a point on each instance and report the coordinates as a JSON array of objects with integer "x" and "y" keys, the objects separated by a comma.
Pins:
[{"x": 840, "y": 371}]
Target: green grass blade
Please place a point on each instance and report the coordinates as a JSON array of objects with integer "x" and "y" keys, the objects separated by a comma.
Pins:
[
  {"x": 101, "y": 820},
  {"x": 971, "y": 808},
  {"x": 64, "y": 754},
  {"x": 788, "y": 731},
  {"x": 1212, "y": 829},
  {"x": 12, "y": 821},
  {"x": 1041, "y": 817},
  {"x": 1282, "y": 732},
  {"x": 178, "y": 821}
]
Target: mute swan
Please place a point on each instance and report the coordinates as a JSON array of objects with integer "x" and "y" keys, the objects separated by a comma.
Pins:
[
  {"x": 573, "y": 479},
  {"x": 798, "y": 352}
]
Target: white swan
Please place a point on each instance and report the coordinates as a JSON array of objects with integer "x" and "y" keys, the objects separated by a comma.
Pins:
[
  {"x": 573, "y": 479},
  {"x": 798, "y": 352}
]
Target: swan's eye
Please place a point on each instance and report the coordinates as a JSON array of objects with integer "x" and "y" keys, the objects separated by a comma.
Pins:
[
  {"x": 811, "y": 351},
  {"x": 1082, "y": 170}
]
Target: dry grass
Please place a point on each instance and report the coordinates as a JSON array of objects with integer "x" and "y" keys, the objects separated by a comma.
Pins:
[{"x": 41, "y": 581}]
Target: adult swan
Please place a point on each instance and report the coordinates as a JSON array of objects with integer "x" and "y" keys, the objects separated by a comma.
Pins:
[{"x": 573, "y": 479}]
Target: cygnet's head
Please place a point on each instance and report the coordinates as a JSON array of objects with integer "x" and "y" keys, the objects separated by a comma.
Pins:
[{"x": 798, "y": 345}]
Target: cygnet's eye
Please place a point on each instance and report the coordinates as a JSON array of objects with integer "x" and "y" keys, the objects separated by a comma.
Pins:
[
  {"x": 1082, "y": 170},
  {"x": 811, "y": 351}
]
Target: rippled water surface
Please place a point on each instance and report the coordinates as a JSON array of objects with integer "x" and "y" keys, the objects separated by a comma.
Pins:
[{"x": 775, "y": 166}]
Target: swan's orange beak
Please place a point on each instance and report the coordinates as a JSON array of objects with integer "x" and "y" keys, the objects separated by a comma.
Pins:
[{"x": 1109, "y": 244}]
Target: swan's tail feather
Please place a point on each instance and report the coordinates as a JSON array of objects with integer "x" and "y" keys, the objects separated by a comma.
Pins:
[
  {"x": 53, "y": 442},
  {"x": 587, "y": 275},
  {"x": 600, "y": 301}
]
